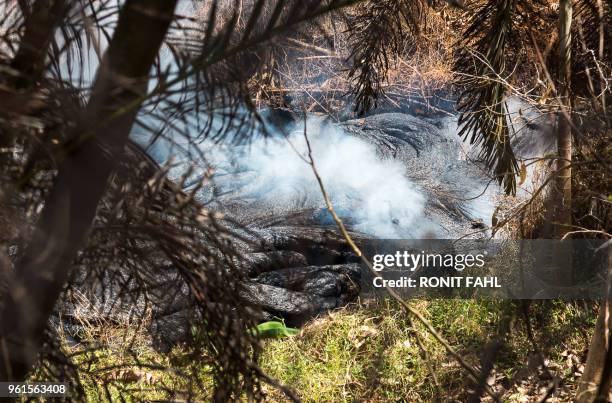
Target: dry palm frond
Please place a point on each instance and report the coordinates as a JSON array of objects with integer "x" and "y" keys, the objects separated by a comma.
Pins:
[
  {"x": 155, "y": 249},
  {"x": 481, "y": 66},
  {"x": 377, "y": 34}
]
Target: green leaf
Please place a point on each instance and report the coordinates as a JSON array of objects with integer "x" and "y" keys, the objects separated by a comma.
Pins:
[{"x": 273, "y": 330}]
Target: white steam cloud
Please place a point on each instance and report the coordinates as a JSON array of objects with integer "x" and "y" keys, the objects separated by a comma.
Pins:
[{"x": 372, "y": 194}]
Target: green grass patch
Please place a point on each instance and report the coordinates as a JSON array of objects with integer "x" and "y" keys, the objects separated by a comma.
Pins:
[{"x": 368, "y": 352}]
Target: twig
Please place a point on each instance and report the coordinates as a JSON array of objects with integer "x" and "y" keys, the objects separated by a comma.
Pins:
[
  {"x": 310, "y": 46},
  {"x": 426, "y": 357},
  {"x": 274, "y": 383},
  {"x": 588, "y": 231}
]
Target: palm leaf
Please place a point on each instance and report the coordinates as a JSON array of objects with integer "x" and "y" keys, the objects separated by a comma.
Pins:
[
  {"x": 480, "y": 67},
  {"x": 377, "y": 33}
]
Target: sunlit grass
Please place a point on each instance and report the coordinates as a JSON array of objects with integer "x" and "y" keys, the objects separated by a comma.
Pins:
[{"x": 368, "y": 352}]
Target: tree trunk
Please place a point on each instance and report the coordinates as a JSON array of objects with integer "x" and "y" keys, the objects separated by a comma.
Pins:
[
  {"x": 81, "y": 181},
  {"x": 595, "y": 381},
  {"x": 564, "y": 135}
]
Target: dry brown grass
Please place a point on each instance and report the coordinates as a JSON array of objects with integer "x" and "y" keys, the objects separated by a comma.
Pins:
[{"x": 311, "y": 70}]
